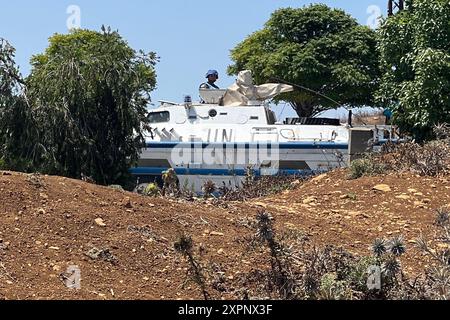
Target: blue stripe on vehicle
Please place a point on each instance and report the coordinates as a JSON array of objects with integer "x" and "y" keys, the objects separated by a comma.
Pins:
[
  {"x": 152, "y": 171},
  {"x": 290, "y": 145}
]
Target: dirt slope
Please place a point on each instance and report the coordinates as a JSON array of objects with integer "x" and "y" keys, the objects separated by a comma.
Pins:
[{"x": 50, "y": 223}]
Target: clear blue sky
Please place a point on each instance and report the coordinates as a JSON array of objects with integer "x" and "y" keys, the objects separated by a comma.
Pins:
[{"x": 190, "y": 36}]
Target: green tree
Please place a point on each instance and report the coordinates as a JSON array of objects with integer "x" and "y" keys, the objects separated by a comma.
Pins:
[
  {"x": 323, "y": 49},
  {"x": 17, "y": 133},
  {"x": 89, "y": 91},
  {"x": 415, "y": 60}
]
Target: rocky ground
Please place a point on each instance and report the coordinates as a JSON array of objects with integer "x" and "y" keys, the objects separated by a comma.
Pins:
[{"x": 123, "y": 243}]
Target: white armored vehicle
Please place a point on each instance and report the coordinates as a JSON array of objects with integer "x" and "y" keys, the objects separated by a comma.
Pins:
[{"x": 234, "y": 130}]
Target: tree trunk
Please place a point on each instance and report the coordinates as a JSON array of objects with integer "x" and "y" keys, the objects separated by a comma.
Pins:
[{"x": 304, "y": 110}]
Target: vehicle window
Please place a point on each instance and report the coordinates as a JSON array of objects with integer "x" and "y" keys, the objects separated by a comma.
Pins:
[{"x": 159, "y": 117}]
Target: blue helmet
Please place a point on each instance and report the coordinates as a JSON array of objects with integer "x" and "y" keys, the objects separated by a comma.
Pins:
[{"x": 212, "y": 73}]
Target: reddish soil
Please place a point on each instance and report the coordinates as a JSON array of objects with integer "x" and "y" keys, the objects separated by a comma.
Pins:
[{"x": 49, "y": 223}]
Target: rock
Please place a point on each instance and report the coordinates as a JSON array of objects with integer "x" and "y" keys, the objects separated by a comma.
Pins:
[
  {"x": 418, "y": 194},
  {"x": 360, "y": 214},
  {"x": 4, "y": 245},
  {"x": 127, "y": 203},
  {"x": 215, "y": 233},
  {"x": 261, "y": 204},
  {"x": 220, "y": 251},
  {"x": 419, "y": 204},
  {"x": 411, "y": 190},
  {"x": 426, "y": 201},
  {"x": 100, "y": 222},
  {"x": 53, "y": 248},
  {"x": 403, "y": 197},
  {"x": 43, "y": 196},
  {"x": 41, "y": 211},
  {"x": 309, "y": 200},
  {"x": 319, "y": 178},
  {"x": 296, "y": 183},
  {"x": 103, "y": 254},
  {"x": 382, "y": 187},
  {"x": 117, "y": 187}
]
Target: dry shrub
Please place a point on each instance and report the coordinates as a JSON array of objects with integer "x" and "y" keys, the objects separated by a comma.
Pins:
[
  {"x": 367, "y": 166},
  {"x": 430, "y": 159},
  {"x": 437, "y": 277},
  {"x": 297, "y": 270},
  {"x": 257, "y": 187},
  {"x": 185, "y": 246}
]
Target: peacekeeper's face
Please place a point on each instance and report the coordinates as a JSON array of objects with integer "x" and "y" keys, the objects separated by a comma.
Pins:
[{"x": 212, "y": 78}]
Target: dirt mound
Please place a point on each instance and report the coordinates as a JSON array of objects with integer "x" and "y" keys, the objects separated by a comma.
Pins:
[
  {"x": 353, "y": 213},
  {"x": 123, "y": 243}
]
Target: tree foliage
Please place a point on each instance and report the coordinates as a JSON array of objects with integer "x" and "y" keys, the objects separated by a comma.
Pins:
[
  {"x": 17, "y": 132},
  {"x": 320, "y": 48},
  {"x": 415, "y": 58},
  {"x": 88, "y": 94}
]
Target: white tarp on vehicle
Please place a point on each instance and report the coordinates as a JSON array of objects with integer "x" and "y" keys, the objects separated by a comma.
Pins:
[{"x": 244, "y": 91}]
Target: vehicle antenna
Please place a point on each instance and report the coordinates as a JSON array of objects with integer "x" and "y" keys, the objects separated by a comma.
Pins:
[{"x": 310, "y": 90}]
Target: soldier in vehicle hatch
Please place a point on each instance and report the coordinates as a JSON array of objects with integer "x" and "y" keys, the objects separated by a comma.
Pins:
[{"x": 212, "y": 77}]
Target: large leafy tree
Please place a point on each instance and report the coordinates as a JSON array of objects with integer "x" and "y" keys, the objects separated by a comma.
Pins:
[
  {"x": 18, "y": 133},
  {"x": 89, "y": 92},
  {"x": 320, "y": 48},
  {"x": 415, "y": 57}
]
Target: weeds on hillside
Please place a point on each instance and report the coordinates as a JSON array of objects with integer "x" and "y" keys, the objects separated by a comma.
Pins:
[
  {"x": 185, "y": 246},
  {"x": 152, "y": 190},
  {"x": 35, "y": 179},
  {"x": 290, "y": 268},
  {"x": 438, "y": 275},
  {"x": 429, "y": 159},
  {"x": 170, "y": 188},
  {"x": 280, "y": 277},
  {"x": 256, "y": 187},
  {"x": 208, "y": 189},
  {"x": 298, "y": 271},
  {"x": 252, "y": 187},
  {"x": 170, "y": 183},
  {"x": 367, "y": 166}
]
